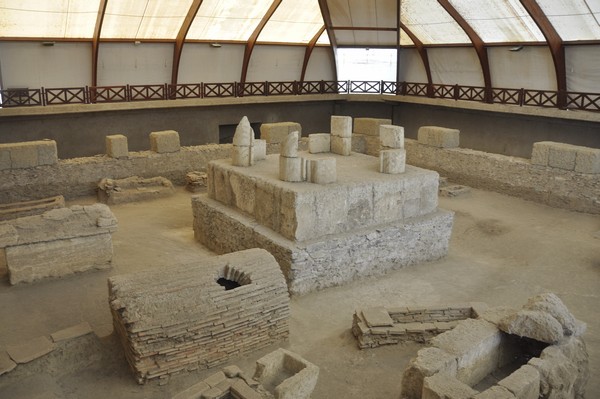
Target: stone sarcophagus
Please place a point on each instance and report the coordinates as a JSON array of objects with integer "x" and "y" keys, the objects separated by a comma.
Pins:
[{"x": 190, "y": 316}]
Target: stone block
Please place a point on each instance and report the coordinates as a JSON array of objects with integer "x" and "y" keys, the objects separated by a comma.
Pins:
[
  {"x": 523, "y": 383},
  {"x": 244, "y": 134},
  {"x": 550, "y": 303},
  {"x": 195, "y": 181},
  {"x": 290, "y": 169},
  {"x": 438, "y": 136},
  {"x": 5, "y": 162},
  {"x": 193, "y": 392},
  {"x": 323, "y": 171},
  {"x": 443, "y": 386},
  {"x": 289, "y": 146},
  {"x": 116, "y": 146},
  {"x": 259, "y": 150},
  {"x": 277, "y": 132},
  {"x": 534, "y": 324},
  {"x": 243, "y": 193},
  {"x": 495, "y": 392},
  {"x": 539, "y": 154},
  {"x": 429, "y": 361},
  {"x": 587, "y": 160},
  {"x": 242, "y": 156},
  {"x": 30, "y": 350},
  {"x": 341, "y": 126},
  {"x": 240, "y": 389},
  {"x": 369, "y": 126},
  {"x": 72, "y": 332},
  {"x": 377, "y": 317},
  {"x": 391, "y": 136},
  {"x": 31, "y": 262},
  {"x": 341, "y": 145},
  {"x": 6, "y": 363},
  {"x": 47, "y": 152},
  {"x": 24, "y": 155},
  {"x": 133, "y": 189},
  {"x": 164, "y": 141},
  {"x": 29, "y": 208},
  {"x": 286, "y": 375},
  {"x": 319, "y": 142},
  {"x": 562, "y": 156},
  {"x": 392, "y": 161}
]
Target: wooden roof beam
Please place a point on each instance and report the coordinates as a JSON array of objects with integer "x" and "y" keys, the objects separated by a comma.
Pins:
[
  {"x": 252, "y": 40},
  {"x": 478, "y": 44},
  {"x": 418, "y": 45},
  {"x": 180, "y": 40},
  {"x": 330, "y": 32},
  {"x": 96, "y": 40},
  {"x": 308, "y": 52}
]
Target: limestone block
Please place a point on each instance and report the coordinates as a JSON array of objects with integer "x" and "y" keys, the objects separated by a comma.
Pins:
[
  {"x": 242, "y": 156},
  {"x": 240, "y": 389},
  {"x": 443, "y": 386},
  {"x": 429, "y": 361},
  {"x": 539, "y": 154},
  {"x": 4, "y": 158},
  {"x": 47, "y": 152},
  {"x": 28, "y": 154},
  {"x": 24, "y": 155},
  {"x": 319, "y": 142},
  {"x": 369, "y": 126},
  {"x": 391, "y": 136},
  {"x": 290, "y": 169},
  {"x": 277, "y": 132},
  {"x": 562, "y": 156},
  {"x": 341, "y": 126},
  {"x": 244, "y": 135},
  {"x": 587, "y": 160},
  {"x": 392, "y": 161},
  {"x": 243, "y": 192},
  {"x": 323, "y": 171},
  {"x": 341, "y": 145},
  {"x": 116, "y": 146},
  {"x": 164, "y": 141},
  {"x": 289, "y": 146},
  {"x": 438, "y": 136},
  {"x": 6, "y": 363},
  {"x": 259, "y": 150},
  {"x": 550, "y": 303},
  {"x": 30, "y": 262},
  {"x": 523, "y": 383},
  {"x": 195, "y": 181},
  {"x": 496, "y": 314},
  {"x": 534, "y": 324},
  {"x": 30, "y": 350},
  {"x": 287, "y": 374},
  {"x": 132, "y": 189},
  {"x": 377, "y": 317},
  {"x": 477, "y": 345},
  {"x": 495, "y": 392},
  {"x": 72, "y": 332},
  {"x": 193, "y": 392}
]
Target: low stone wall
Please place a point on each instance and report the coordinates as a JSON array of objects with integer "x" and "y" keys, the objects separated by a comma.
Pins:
[
  {"x": 16, "y": 210},
  {"x": 180, "y": 318},
  {"x": 28, "y": 154},
  {"x": 510, "y": 175}
]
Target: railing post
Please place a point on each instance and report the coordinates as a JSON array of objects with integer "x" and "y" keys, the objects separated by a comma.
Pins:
[
  {"x": 266, "y": 88},
  {"x": 521, "y": 97},
  {"x": 561, "y": 99},
  {"x": 456, "y": 92},
  {"x": 430, "y": 90}
]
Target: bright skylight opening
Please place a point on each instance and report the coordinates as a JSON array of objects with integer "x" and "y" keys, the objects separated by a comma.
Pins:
[{"x": 361, "y": 64}]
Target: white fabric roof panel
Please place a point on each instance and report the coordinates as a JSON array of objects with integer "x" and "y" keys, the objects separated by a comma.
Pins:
[
  {"x": 498, "y": 21},
  {"x": 361, "y": 13},
  {"x": 430, "y": 22},
  {"x": 574, "y": 19},
  {"x": 293, "y": 22}
]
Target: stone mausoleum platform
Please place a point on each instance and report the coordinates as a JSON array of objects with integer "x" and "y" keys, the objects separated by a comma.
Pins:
[{"x": 365, "y": 223}]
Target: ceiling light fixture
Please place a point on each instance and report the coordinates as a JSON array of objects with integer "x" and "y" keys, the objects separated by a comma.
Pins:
[
  {"x": 516, "y": 48},
  {"x": 216, "y": 45}
]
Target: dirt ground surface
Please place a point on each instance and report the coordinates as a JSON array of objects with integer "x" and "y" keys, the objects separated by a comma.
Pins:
[{"x": 503, "y": 250}]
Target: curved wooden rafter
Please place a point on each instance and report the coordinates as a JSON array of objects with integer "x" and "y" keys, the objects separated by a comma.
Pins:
[
  {"x": 96, "y": 40},
  {"x": 329, "y": 27},
  {"x": 309, "y": 49},
  {"x": 180, "y": 40}
]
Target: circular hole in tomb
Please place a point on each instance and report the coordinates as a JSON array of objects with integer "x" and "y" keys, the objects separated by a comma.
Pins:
[{"x": 228, "y": 284}]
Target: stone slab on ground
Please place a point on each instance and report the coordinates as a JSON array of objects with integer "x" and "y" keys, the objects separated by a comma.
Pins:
[
  {"x": 30, "y": 350},
  {"x": 72, "y": 332},
  {"x": 29, "y": 208},
  {"x": 454, "y": 190},
  {"x": 377, "y": 317},
  {"x": 133, "y": 189},
  {"x": 6, "y": 363},
  {"x": 370, "y": 126}
]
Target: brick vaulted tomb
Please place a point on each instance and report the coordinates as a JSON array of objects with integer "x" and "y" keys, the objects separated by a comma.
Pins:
[{"x": 363, "y": 223}]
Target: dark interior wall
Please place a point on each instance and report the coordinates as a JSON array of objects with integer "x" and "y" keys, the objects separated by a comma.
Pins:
[
  {"x": 500, "y": 133},
  {"x": 83, "y": 134}
]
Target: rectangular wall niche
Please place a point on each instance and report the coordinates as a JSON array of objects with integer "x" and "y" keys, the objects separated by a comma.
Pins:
[{"x": 198, "y": 315}]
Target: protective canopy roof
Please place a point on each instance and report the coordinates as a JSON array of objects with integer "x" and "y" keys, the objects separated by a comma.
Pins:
[{"x": 352, "y": 22}]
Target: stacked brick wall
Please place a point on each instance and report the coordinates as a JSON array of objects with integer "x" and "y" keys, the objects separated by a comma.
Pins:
[{"x": 179, "y": 318}]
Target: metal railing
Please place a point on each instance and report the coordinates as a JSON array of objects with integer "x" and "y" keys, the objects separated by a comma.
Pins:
[{"x": 113, "y": 94}]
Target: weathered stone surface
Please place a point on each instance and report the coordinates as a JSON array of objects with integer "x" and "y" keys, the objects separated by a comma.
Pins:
[
  {"x": 587, "y": 160},
  {"x": 193, "y": 392},
  {"x": 319, "y": 142},
  {"x": 196, "y": 181},
  {"x": 429, "y": 361},
  {"x": 242, "y": 156},
  {"x": 278, "y": 131},
  {"x": 562, "y": 156},
  {"x": 341, "y": 126},
  {"x": 72, "y": 332},
  {"x": 369, "y": 126},
  {"x": 391, "y": 136},
  {"x": 28, "y": 154},
  {"x": 523, "y": 383},
  {"x": 116, "y": 146},
  {"x": 259, "y": 150},
  {"x": 443, "y": 386},
  {"x": 164, "y": 141},
  {"x": 392, "y": 161},
  {"x": 290, "y": 169},
  {"x": 286, "y": 374},
  {"x": 377, "y": 317},
  {"x": 539, "y": 154},
  {"x": 495, "y": 392},
  {"x": 242, "y": 390},
  {"x": 29, "y": 208},
  {"x": 440, "y": 137},
  {"x": 6, "y": 363},
  {"x": 341, "y": 145},
  {"x": 244, "y": 135},
  {"x": 455, "y": 190},
  {"x": 289, "y": 146},
  {"x": 496, "y": 314},
  {"x": 210, "y": 323},
  {"x": 533, "y": 324},
  {"x": 364, "y": 144},
  {"x": 323, "y": 170},
  {"x": 551, "y": 304},
  {"x": 132, "y": 189},
  {"x": 30, "y": 350}
]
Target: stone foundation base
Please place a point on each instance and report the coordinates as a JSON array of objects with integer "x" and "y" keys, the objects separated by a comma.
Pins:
[{"x": 334, "y": 259}]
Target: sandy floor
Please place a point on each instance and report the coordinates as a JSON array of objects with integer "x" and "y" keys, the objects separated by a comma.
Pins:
[{"x": 503, "y": 250}]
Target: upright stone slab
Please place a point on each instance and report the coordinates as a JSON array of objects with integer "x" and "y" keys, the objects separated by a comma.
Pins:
[
  {"x": 319, "y": 142},
  {"x": 341, "y": 145},
  {"x": 290, "y": 169},
  {"x": 440, "y": 137},
  {"x": 116, "y": 146},
  {"x": 242, "y": 151},
  {"x": 391, "y": 136},
  {"x": 392, "y": 161},
  {"x": 289, "y": 146},
  {"x": 164, "y": 141},
  {"x": 198, "y": 315},
  {"x": 341, "y": 126},
  {"x": 323, "y": 170},
  {"x": 370, "y": 126},
  {"x": 29, "y": 154},
  {"x": 277, "y": 132},
  {"x": 259, "y": 150}
]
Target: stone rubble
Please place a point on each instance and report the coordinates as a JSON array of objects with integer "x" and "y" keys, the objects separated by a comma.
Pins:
[
  {"x": 117, "y": 147},
  {"x": 133, "y": 189},
  {"x": 16, "y": 210},
  {"x": 195, "y": 181}
]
